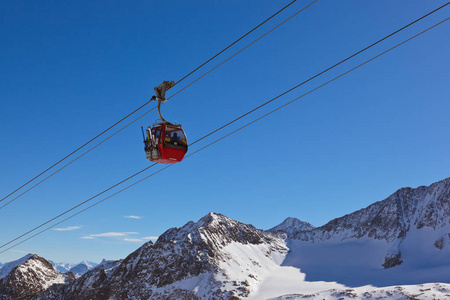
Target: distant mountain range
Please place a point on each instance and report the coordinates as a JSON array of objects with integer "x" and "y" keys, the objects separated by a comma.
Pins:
[
  {"x": 402, "y": 240},
  {"x": 77, "y": 269}
]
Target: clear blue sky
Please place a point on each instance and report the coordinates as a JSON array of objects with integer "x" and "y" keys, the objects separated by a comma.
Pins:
[{"x": 69, "y": 69}]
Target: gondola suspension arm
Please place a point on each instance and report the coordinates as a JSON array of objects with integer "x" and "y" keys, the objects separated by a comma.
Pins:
[{"x": 160, "y": 95}]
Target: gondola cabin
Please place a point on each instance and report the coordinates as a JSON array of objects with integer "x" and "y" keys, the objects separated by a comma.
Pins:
[{"x": 165, "y": 143}]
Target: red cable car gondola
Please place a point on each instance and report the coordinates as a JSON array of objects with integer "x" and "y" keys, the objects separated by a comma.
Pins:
[
  {"x": 165, "y": 142},
  {"x": 168, "y": 143}
]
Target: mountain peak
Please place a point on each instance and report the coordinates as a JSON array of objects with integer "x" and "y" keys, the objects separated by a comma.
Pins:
[
  {"x": 82, "y": 268},
  {"x": 213, "y": 218},
  {"x": 39, "y": 273},
  {"x": 218, "y": 257},
  {"x": 291, "y": 226},
  {"x": 201, "y": 230},
  {"x": 207, "y": 253},
  {"x": 7, "y": 267}
]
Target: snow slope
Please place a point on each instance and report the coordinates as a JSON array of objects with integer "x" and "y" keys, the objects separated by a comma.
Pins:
[
  {"x": 283, "y": 280},
  {"x": 398, "y": 248},
  {"x": 402, "y": 240},
  {"x": 216, "y": 257},
  {"x": 359, "y": 262},
  {"x": 418, "y": 292}
]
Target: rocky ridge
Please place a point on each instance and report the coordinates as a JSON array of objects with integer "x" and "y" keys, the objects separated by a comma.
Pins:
[
  {"x": 30, "y": 278},
  {"x": 199, "y": 260},
  {"x": 221, "y": 258},
  {"x": 391, "y": 218}
]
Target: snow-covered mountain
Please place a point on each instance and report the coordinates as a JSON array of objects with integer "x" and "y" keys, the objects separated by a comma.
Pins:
[
  {"x": 7, "y": 267},
  {"x": 292, "y": 227},
  {"x": 215, "y": 257},
  {"x": 82, "y": 268},
  {"x": 89, "y": 264},
  {"x": 391, "y": 219},
  {"x": 30, "y": 276},
  {"x": 402, "y": 240},
  {"x": 62, "y": 267},
  {"x": 77, "y": 269}
]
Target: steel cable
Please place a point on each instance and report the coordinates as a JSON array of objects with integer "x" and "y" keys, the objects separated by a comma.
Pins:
[
  {"x": 225, "y": 136},
  {"x": 139, "y": 108}
]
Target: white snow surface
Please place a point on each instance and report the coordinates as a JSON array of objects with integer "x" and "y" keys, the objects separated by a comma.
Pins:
[
  {"x": 357, "y": 262},
  {"x": 430, "y": 291},
  {"x": 246, "y": 265},
  {"x": 351, "y": 269},
  {"x": 241, "y": 266}
]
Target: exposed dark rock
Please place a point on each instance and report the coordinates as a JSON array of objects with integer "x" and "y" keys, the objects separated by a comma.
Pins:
[
  {"x": 193, "y": 251},
  {"x": 392, "y": 260},
  {"x": 391, "y": 218},
  {"x": 197, "y": 252},
  {"x": 31, "y": 278},
  {"x": 439, "y": 244}
]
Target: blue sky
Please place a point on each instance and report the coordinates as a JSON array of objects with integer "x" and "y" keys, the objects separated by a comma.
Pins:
[{"x": 70, "y": 69}]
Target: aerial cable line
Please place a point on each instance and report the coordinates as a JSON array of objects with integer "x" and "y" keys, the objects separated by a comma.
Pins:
[
  {"x": 306, "y": 81},
  {"x": 324, "y": 71},
  {"x": 243, "y": 49},
  {"x": 145, "y": 104},
  {"x": 80, "y": 204},
  {"x": 225, "y": 136},
  {"x": 238, "y": 40},
  {"x": 72, "y": 161},
  {"x": 79, "y": 212},
  {"x": 295, "y": 14},
  {"x": 73, "y": 152},
  {"x": 251, "y": 111}
]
